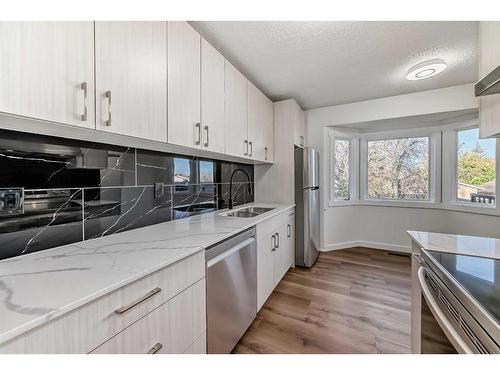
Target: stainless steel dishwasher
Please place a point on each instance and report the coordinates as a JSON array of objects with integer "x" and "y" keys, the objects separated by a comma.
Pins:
[{"x": 231, "y": 290}]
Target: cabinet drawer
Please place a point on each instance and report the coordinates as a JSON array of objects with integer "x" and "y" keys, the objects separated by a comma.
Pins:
[
  {"x": 87, "y": 327},
  {"x": 171, "y": 328},
  {"x": 270, "y": 225}
]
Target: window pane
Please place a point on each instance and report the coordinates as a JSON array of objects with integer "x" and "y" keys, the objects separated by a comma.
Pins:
[
  {"x": 476, "y": 168},
  {"x": 182, "y": 171},
  {"x": 399, "y": 169},
  {"x": 207, "y": 176},
  {"x": 341, "y": 172}
]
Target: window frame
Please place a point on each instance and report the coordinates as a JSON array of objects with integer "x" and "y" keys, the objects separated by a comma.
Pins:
[
  {"x": 450, "y": 174},
  {"x": 353, "y": 168},
  {"x": 434, "y": 135}
]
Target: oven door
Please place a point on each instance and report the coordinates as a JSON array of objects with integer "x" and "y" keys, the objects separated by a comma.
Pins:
[{"x": 440, "y": 330}]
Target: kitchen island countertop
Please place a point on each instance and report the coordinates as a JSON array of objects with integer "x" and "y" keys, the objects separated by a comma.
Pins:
[{"x": 484, "y": 247}]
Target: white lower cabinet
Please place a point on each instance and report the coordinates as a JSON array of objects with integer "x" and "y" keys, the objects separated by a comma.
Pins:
[
  {"x": 265, "y": 269},
  {"x": 283, "y": 253},
  {"x": 165, "y": 307},
  {"x": 172, "y": 328},
  {"x": 275, "y": 252}
]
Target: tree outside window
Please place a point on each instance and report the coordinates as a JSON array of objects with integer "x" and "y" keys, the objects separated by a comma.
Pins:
[
  {"x": 476, "y": 168},
  {"x": 398, "y": 169},
  {"x": 341, "y": 184}
]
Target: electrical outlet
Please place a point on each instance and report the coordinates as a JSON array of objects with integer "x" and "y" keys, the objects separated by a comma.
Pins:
[
  {"x": 11, "y": 201},
  {"x": 159, "y": 191}
]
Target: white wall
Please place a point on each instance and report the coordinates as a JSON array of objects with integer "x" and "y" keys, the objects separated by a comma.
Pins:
[{"x": 385, "y": 227}]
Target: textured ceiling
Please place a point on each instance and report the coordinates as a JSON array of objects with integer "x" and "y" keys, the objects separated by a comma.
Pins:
[{"x": 328, "y": 63}]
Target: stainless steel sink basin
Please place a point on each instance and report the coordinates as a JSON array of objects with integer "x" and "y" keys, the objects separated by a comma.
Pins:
[{"x": 248, "y": 212}]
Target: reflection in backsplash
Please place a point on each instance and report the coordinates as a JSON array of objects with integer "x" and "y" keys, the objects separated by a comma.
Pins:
[{"x": 76, "y": 190}]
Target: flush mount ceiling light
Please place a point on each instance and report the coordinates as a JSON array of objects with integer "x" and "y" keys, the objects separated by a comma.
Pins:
[{"x": 426, "y": 69}]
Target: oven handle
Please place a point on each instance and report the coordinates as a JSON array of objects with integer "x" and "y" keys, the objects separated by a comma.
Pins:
[{"x": 440, "y": 317}]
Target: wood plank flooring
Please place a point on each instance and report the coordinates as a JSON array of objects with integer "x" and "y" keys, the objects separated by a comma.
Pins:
[{"x": 351, "y": 301}]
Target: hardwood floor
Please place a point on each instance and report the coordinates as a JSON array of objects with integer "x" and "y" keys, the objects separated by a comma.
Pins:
[{"x": 351, "y": 301}]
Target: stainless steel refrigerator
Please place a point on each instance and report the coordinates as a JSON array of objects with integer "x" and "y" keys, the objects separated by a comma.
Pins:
[{"x": 307, "y": 208}]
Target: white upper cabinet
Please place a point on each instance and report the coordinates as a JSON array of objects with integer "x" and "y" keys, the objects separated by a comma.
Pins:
[
  {"x": 131, "y": 78},
  {"x": 184, "y": 85},
  {"x": 47, "y": 71},
  {"x": 260, "y": 125},
  {"x": 235, "y": 112},
  {"x": 212, "y": 98},
  {"x": 489, "y": 107}
]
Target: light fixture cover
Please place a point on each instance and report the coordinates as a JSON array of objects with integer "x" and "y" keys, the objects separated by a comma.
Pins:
[{"x": 426, "y": 69}]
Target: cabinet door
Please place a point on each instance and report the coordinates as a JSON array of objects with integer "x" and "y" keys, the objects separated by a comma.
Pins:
[
  {"x": 265, "y": 268},
  {"x": 47, "y": 71},
  {"x": 260, "y": 124},
  {"x": 184, "y": 85},
  {"x": 235, "y": 112},
  {"x": 268, "y": 131},
  {"x": 282, "y": 254},
  {"x": 291, "y": 238},
  {"x": 212, "y": 98},
  {"x": 489, "y": 106},
  {"x": 131, "y": 66}
]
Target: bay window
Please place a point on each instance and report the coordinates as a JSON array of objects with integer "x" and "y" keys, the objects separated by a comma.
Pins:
[{"x": 446, "y": 167}]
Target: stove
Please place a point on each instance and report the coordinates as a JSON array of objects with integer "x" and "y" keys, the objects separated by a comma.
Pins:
[
  {"x": 479, "y": 277},
  {"x": 463, "y": 292}
]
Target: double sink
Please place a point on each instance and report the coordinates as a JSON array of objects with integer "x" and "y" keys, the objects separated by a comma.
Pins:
[{"x": 247, "y": 212}]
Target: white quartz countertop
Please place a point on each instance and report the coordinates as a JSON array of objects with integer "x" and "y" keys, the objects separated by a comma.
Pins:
[
  {"x": 38, "y": 287},
  {"x": 483, "y": 247}
]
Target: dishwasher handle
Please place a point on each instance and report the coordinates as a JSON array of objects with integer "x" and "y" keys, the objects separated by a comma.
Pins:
[{"x": 230, "y": 251}]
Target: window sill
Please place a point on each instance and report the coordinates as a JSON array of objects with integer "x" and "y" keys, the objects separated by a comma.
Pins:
[
  {"x": 339, "y": 203},
  {"x": 472, "y": 208},
  {"x": 458, "y": 207}
]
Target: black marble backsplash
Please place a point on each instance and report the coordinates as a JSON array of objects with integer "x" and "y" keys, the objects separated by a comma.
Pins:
[{"x": 76, "y": 190}]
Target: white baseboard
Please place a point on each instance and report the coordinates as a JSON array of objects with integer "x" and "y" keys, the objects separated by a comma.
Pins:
[{"x": 373, "y": 245}]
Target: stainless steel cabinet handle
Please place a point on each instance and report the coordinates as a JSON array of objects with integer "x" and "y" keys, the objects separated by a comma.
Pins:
[
  {"x": 273, "y": 243},
  {"x": 108, "y": 95},
  {"x": 155, "y": 349},
  {"x": 197, "y": 140},
  {"x": 250, "y": 143},
  {"x": 245, "y": 149},
  {"x": 83, "y": 86},
  {"x": 207, "y": 140},
  {"x": 124, "y": 309},
  {"x": 288, "y": 230},
  {"x": 265, "y": 148},
  {"x": 278, "y": 239}
]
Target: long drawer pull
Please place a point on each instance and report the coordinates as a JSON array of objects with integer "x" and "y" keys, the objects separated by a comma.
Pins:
[
  {"x": 124, "y": 309},
  {"x": 155, "y": 349}
]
